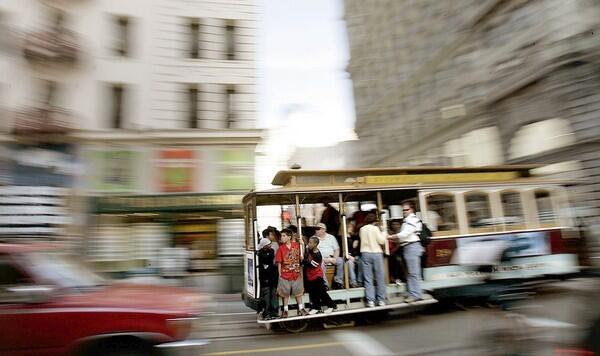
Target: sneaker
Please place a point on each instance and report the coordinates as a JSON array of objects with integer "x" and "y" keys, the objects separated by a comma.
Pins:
[
  {"x": 370, "y": 304},
  {"x": 284, "y": 314},
  {"x": 381, "y": 303},
  {"x": 399, "y": 282},
  {"x": 302, "y": 312},
  {"x": 411, "y": 299},
  {"x": 328, "y": 310},
  {"x": 353, "y": 285},
  {"x": 313, "y": 311},
  {"x": 337, "y": 285}
]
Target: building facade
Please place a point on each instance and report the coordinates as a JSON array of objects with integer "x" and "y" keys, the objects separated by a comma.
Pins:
[
  {"x": 479, "y": 83},
  {"x": 133, "y": 98}
]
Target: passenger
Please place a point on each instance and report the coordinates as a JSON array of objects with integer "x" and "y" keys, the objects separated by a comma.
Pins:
[
  {"x": 270, "y": 234},
  {"x": 412, "y": 250},
  {"x": 330, "y": 249},
  {"x": 354, "y": 263},
  {"x": 290, "y": 275},
  {"x": 396, "y": 261},
  {"x": 267, "y": 274},
  {"x": 294, "y": 230},
  {"x": 331, "y": 218},
  {"x": 371, "y": 239},
  {"x": 315, "y": 281}
]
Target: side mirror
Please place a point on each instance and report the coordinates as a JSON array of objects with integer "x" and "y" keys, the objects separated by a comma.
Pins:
[{"x": 32, "y": 294}]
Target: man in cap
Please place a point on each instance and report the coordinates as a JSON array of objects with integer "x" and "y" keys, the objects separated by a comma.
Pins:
[
  {"x": 330, "y": 250},
  {"x": 268, "y": 276}
]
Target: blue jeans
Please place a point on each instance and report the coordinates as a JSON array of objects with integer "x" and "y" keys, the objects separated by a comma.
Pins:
[
  {"x": 412, "y": 256},
  {"x": 373, "y": 265},
  {"x": 355, "y": 275},
  {"x": 339, "y": 271}
]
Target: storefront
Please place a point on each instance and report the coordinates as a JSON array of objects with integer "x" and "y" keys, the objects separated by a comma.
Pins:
[{"x": 132, "y": 231}]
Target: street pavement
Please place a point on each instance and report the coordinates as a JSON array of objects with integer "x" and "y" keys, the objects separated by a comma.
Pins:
[{"x": 556, "y": 316}]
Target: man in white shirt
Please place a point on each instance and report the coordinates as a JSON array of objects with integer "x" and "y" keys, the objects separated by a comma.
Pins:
[
  {"x": 330, "y": 250},
  {"x": 412, "y": 250}
]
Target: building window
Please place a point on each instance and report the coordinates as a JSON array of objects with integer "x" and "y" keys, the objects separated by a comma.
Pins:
[
  {"x": 50, "y": 89},
  {"x": 193, "y": 107},
  {"x": 122, "y": 36},
  {"x": 194, "y": 28},
  {"x": 117, "y": 106},
  {"x": 230, "y": 107},
  {"x": 230, "y": 39}
]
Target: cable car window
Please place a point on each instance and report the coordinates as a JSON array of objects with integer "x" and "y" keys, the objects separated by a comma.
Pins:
[
  {"x": 443, "y": 207},
  {"x": 513, "y": 210},
  {"x": 479, "y": 215},
  {"x": 545, "y": 211}
]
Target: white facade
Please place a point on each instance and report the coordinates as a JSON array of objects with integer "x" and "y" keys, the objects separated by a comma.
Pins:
[{"x": 156, "y": 72}]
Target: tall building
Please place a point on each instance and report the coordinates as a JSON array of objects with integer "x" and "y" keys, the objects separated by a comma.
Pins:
[
  {"x": 474, "y": 82},
  {"x": 146, "y": 107}
]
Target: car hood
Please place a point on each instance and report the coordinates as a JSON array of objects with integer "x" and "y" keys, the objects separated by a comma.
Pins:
[{"x": 135, "y": 296}]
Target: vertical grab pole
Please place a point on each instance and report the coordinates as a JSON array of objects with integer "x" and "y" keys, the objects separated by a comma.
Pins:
[
  {"x": 299, "y": 222},
  {"x": 386, "y": 248},
  {"x": 344, "y": 241}
]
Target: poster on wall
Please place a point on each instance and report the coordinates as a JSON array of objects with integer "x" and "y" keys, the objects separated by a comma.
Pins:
[
  {"x": 176, "y": 169},
  {"x": 492, "y": 249},
  {"x": 249, "y": 273},
  {"x": 236, "y": 169},
  {"x": 114, "y": 170}
]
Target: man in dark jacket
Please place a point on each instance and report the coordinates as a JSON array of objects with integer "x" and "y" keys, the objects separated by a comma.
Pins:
[{"x": 268, "y": 276}]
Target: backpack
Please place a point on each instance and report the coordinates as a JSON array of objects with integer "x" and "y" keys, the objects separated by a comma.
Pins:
[{"x": 425, "y": 235}]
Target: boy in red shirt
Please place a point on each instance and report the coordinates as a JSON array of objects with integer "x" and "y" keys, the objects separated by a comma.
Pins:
[
  {"x": 290, "y": 276},
  {"x": 315, "y": 284}
]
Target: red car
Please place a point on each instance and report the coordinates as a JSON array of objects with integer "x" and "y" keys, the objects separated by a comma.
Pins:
[{"x": 52, "y": 304}]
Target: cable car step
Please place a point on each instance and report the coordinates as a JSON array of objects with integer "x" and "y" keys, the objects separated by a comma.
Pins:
[{"x": 428, "y": 300}]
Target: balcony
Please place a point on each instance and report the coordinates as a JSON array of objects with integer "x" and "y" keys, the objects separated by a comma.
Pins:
[
  {"x": 42, "y": 122},
  {"x": 57, "y": 45}
]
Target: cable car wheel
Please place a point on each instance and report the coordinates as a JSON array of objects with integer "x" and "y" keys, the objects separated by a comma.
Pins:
[
  {"x": 372, "y": 318},
  {"x": 294, "y": 326}
]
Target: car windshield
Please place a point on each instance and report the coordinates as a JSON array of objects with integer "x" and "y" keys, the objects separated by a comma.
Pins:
[{"x": 62, "y": 270}]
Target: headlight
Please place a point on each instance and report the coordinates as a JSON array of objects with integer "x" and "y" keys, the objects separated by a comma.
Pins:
[{"x": 181, "y": 327}]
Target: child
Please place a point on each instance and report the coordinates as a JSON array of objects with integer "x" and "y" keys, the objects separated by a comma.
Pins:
[
  {"x": 315, "y": 284},
  {"x": 290, "y": 276},
  {"x": 267, "y": 274}
]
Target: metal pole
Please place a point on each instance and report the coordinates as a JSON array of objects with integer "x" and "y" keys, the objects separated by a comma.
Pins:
[
  {"x": 386, "y": 247},
  {"x": 344, "y": 240},
  {"x": 299, "y": 221}
]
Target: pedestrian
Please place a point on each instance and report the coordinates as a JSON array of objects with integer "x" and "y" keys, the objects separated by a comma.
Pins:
[
  {"x": 267, "y": 274},
  {"x": 412, "y": 250},
  {"x": 315, "y": 281},
  {"x": 371, "y": 239},
  {"x": 290, "y": 275}
]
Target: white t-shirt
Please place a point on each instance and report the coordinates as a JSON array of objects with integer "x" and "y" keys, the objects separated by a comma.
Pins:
[{"x": 328, "y": 245}]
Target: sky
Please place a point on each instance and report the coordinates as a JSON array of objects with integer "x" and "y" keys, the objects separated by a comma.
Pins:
[{"x": 303, "y": 84}]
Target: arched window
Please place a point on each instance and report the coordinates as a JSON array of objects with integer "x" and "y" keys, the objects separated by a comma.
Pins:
[
  {"x": 479, "y": 214},
  {"x": 545, "y": 211},
  {"x": 441, "y": 210},
  {"x": 513, "y": 210}
]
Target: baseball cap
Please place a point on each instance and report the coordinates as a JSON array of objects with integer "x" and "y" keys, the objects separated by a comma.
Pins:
[
  {"x": 321, "y": 226},
  {"x": 263, "y": 242}
]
